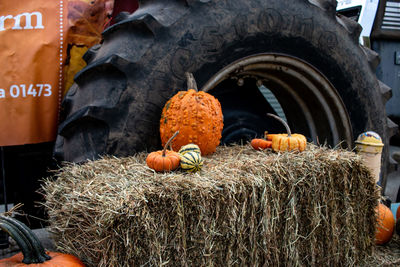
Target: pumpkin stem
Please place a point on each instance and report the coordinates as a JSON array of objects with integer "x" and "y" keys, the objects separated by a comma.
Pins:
[
  {"x": 27, "y": 241},
  {"x": 21, "y": 239},
  {"x": 282, "y": 121},
  {"x": 168, "y": 142},
  {"x": 191, "y": 82}
]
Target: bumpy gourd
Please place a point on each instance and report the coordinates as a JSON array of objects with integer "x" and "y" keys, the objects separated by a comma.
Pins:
[
  {"x": 197, "y": 115},
  {"x": 260, "y": 144}
]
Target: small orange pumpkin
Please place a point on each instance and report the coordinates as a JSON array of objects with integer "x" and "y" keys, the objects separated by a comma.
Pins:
[
  {"x": 384, "y": 224},
  {"x": 164, "y": 160},
  {"x": 289, "y": 141},
  {"x": 260, "y": 144},
  {"x": 33, "y": 253},
  {"x": 197, "y": 115}
]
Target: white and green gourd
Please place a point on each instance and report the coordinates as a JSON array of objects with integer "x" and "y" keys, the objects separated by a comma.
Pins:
[
  {"x": 189, "y": 147},
  {"x": 191, "y": 161}
]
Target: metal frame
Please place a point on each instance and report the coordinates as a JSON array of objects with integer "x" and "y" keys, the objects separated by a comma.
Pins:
[{"x": 299, "y": 80}]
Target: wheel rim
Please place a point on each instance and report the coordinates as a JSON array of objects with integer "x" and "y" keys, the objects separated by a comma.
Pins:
[{"x": 310, "y": 102}]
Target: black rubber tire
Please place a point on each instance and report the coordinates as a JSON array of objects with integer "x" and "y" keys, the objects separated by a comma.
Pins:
[{"x": 115, "y": 105}]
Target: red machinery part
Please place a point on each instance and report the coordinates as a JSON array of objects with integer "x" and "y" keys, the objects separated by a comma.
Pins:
[{"x": 124, "y": 5}]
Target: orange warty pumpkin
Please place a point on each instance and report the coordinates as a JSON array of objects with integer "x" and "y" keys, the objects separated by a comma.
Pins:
[
  {"x": 164, "y": 160},
  {"x": 197, "y": 115},
  {"x": 33, "y": 253},
  {"x": 260, "y": 144},
  {"x": 289, "y": 141},
  {"x": 384, "y": 224}
]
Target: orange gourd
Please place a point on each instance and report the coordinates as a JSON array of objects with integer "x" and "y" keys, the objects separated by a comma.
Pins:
[
  {"x": 197, "y": 115},
  {"x": 384, "y": 224},
  {"x": 289, "y": 141},
  {"x": 33, "y": 253},
  {"x": 260, "y": 144},
  {"x": 269, "y": 136},
  {"x": 164, "y": 160}
]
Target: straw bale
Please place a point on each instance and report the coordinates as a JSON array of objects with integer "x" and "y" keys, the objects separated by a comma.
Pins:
[
  {"x": 386, "y": 255},
  {"x": 245, "y": 208}
]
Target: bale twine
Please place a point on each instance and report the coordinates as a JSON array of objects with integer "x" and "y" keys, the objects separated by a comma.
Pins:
[{"x": 245, "y": 208}]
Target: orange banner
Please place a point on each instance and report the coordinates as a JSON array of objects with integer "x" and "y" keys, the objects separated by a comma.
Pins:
[{"x": 32, "y": 52}]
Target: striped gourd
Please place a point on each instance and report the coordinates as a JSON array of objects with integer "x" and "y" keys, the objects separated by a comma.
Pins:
[
  {"x": 189, "y": 147},
  {"x": 191, "y": 161}
]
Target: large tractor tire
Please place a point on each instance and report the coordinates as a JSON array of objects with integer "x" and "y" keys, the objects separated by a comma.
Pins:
[{"x": 306, "y": 55}]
